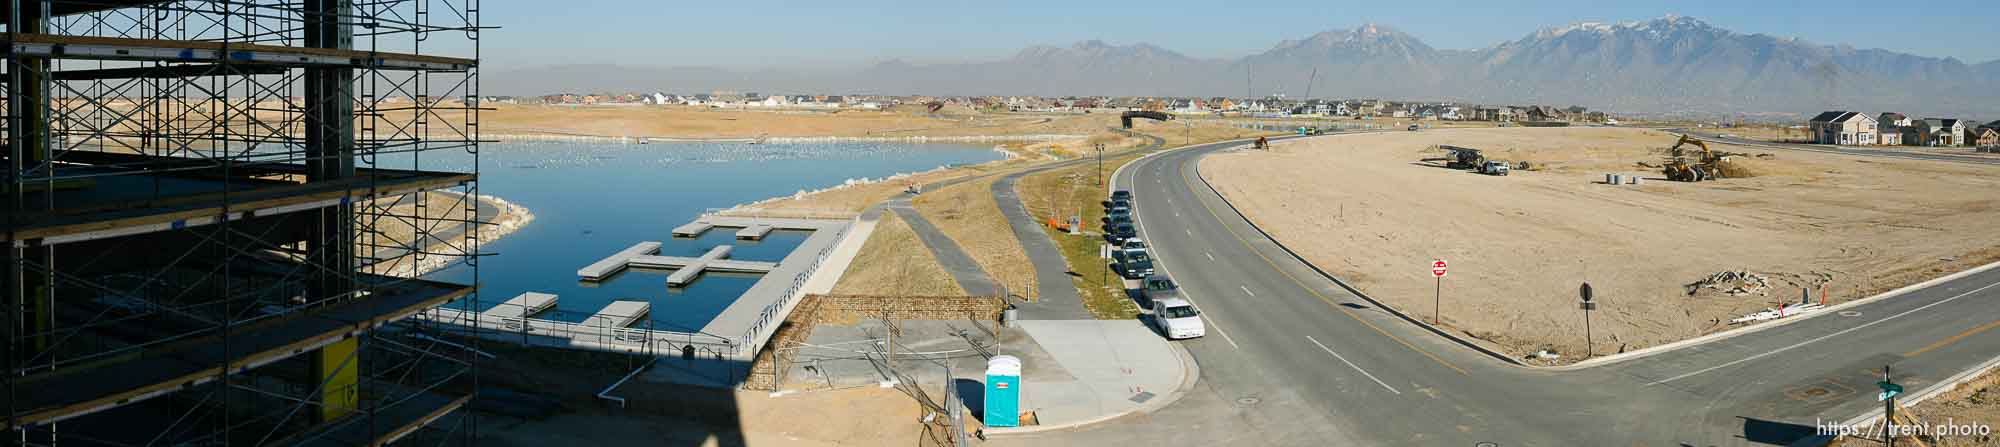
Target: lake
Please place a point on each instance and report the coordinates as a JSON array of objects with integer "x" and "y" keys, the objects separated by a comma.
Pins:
[{"x": 592, "y": 199}]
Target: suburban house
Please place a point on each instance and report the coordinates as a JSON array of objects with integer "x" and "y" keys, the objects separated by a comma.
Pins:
[
  {"x": 1936, "y": 132},
  {"x": 1890, "y": 136},
  {"x": 1983, "y": 137},
  {"x": 1842, "y": 128},
  {"x": 1893, "y": 119},
  {"x": 1546, "y": 113}
]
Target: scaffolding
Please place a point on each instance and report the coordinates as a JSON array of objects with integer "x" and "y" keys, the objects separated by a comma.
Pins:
[{"x": 220, "y": 214}]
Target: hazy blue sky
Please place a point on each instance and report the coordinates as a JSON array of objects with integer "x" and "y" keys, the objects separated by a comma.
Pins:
[{"x": 845, "y": 34}]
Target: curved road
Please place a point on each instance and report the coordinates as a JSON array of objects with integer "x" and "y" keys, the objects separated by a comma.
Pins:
[{"x": 1293, "y": 358}]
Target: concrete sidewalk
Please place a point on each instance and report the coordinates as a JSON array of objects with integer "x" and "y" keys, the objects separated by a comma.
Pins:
[{"x": 1081, "y": 372}]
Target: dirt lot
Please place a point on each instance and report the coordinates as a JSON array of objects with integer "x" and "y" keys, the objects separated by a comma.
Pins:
[
  {"x": 1365, "y": 208},
  {"x": 1975, "y": 402}
]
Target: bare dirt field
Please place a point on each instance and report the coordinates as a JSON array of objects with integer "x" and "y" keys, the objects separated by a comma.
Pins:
[
  {"x": 1974, "y": 402},
  {"x": 1365, "y": 208}
]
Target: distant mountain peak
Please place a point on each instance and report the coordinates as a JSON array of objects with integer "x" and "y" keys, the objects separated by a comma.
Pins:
[{"x": 1659, "y": 26}]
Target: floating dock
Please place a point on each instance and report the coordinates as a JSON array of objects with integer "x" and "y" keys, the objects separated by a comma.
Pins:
[
  {"x": 692, "y": 229},
  {"x": 522, "y": 306},
  {"x": 619, "y": 314},
  {"x": 612, "y": 265},
  {"x": 753, "y": 232},
  {"x": 686, "y": 269}
]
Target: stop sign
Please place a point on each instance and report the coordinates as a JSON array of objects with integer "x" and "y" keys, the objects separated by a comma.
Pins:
[{"x": 1437, "y": 268}]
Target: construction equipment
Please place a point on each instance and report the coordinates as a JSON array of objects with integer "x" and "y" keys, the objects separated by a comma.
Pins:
[
  {"x": 1463, "y": 158},
  {"x": 1706, "y": 166}
]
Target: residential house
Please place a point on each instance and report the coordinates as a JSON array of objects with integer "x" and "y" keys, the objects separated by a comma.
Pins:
[
  {"x": 1889, "y": 136},
  {"x": 1546, "y": 113},
  {"x": 1892, "y": 119},
  {"x": 1843, "y": 128},
  {"x": 1936, "y": 132},
  {"x": 1984, "y": 136}
]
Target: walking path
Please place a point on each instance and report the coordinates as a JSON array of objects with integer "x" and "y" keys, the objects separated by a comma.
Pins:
[{"x": 1055, "y": 294}]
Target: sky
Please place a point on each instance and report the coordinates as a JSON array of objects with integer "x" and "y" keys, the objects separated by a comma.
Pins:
[{"x": 840, "y": 35}]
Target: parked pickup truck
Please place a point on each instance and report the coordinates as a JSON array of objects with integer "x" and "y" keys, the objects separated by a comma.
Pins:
[{"x": 1132, "y": 264}]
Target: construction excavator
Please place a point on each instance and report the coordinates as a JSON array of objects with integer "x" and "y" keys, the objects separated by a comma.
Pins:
[{"x": 1706, "y": 165}]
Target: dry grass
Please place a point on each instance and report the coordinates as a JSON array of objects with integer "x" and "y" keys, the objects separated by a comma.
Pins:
[
  {"x": 895, "y": 262},
  {"x": 967, "y": 213},
  {"x": 1519, "y": 245},
  {"x": 1075, "y": 191}
]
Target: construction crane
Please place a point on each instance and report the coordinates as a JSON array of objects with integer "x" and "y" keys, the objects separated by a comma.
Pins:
[{"x": 1705, "y": 166}]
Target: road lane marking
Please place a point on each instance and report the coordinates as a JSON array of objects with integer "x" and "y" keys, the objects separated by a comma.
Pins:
[
  {"x": 1364, "y": 372},
  {"x": 1822, "y": 337},
  {"x": 1189, "y": 232},
  {"x": 1211, "y": 256},
  {"x": 1246, "y": 289},
  {"x": 1185, "y": 293},
  {"x": 1315, "y": 292},
  {"x": 1953, "y": 339}
]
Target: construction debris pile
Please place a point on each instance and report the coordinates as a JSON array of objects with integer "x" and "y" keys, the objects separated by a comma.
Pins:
[{"x": 1732, "y": 283}]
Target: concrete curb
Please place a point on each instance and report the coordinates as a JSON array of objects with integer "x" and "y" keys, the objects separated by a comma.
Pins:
[
  {"x": 1596, "y": 361},
  {"x": 1934, "y": 390},
  {"x": 1190, "y": 374},
  {"x": 1724, "y": 335}
]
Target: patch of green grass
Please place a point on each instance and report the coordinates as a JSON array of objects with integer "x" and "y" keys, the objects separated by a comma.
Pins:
[{"x": 1070, "y": 190}]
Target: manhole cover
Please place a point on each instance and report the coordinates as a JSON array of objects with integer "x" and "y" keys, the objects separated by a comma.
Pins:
[
  {"x": 1142, "y": 397},
  {"x": 1816, "y": 392},
  {"x": 1849, "y": 313},
  {"x": 1486, "y": 444},
  {"x": 1248, "y": 401}
]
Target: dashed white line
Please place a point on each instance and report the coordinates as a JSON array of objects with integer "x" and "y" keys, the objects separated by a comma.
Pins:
[
  {"x": 1211, "y": 256},
  {"x": 1189, "y": 232},
  {"x": 1246, "y": 289},
  {"x": 1364, "y": 372}
]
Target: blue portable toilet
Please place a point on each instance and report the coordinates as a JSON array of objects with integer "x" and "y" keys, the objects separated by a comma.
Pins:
[{"x": 1003, "y": 391}]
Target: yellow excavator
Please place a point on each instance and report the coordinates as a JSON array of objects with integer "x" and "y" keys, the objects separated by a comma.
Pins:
[{"x": 1705, "y": 166}]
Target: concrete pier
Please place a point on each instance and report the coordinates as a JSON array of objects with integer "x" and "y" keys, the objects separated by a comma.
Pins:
[
  {"x": 522, "y": 306},
  {"x": 692, "y": 229},
  {"x": 619, "y": 314},
  {"x": 612, "y": 265},
  {"x": 753, "y": 232}
]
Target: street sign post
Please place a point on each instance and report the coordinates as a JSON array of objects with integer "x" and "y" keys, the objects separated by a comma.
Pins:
[
  {"x": 1437, "y": 291},
  {"x": 1588, "y": 305},
  {"x": 1888, "y": 398}
]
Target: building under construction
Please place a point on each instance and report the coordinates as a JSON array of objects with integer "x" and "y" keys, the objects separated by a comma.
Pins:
[{"x": 216, "y": 215}]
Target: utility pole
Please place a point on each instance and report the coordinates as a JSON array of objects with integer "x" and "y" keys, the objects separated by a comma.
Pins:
[{"x": 1100, "y": 164}]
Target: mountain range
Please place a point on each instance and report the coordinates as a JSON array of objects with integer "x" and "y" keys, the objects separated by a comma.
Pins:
[{"x": 1671, "y": 64}]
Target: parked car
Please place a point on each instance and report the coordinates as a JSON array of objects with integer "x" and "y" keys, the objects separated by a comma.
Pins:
[
  {"x": 1121, "y": 194},
  {"x": 1495, "y": 167},
  {"x": 1133, "y": 244},
  {"x": 1413, "y": 128},
  {"x": 1132, "y": 264},
  {"x": 1117, "y": 233},
  {"x": 1178, "y": 318},
  {"x": 1160, "y": 288},
  {"x": 1118, "y": 203},
  {"x": 1116, "y": 215}
]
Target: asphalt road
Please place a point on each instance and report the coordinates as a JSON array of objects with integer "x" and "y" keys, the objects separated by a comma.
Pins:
[{"x": 1292, "y": 358}]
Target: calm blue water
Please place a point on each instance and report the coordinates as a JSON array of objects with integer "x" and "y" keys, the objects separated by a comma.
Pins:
[{"x": 591, "y": 200}]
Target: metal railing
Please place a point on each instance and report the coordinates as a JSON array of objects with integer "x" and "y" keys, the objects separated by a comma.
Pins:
[
  {"x": 776, "y": 311},
  {"x": 593, "y": 332}
]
